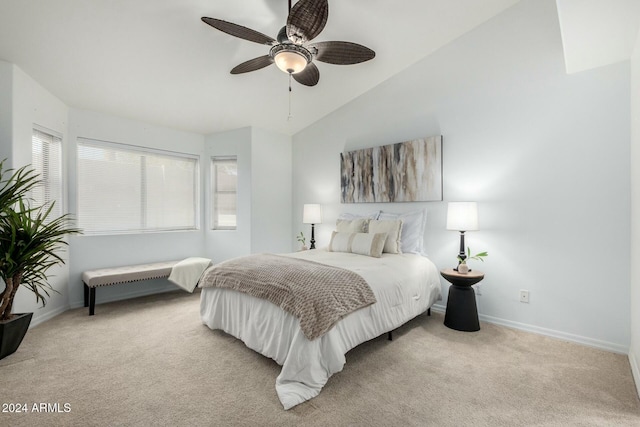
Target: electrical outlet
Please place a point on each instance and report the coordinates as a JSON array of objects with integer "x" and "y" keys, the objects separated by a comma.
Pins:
[
  {"x": 524, "y": 296},
  {"x": 477, "y": 288}
]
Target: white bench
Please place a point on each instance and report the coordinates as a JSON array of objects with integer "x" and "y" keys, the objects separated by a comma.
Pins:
[{"x": 112, "y": 276}]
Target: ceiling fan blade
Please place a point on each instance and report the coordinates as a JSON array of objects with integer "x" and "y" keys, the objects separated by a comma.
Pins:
[
  {"x": 309, "y": 76},
  {"x": 239, "y": 31},
  {"x": 341, "y": 53},
  {"x": 306, "y": 20},
  {"x": 252, "y": 65}
]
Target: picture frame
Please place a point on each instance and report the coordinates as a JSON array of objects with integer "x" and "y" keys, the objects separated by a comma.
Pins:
[{"x": 409, "y": 171}]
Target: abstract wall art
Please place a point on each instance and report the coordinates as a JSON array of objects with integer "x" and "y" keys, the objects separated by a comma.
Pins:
[{"x": 408, "y": 171}]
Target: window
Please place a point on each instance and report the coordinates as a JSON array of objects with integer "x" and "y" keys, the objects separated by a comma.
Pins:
[
  {"x": 125, "y": 189},
  {"x": 224, "y": 184},
  {"x": 46, "y": 160}
]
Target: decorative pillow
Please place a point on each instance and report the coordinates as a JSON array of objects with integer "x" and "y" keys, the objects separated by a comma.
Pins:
[
  {"x": 393, "y": 228},
  {"x": 369, "y": 244},
  {"x": 352, "y": 226},
  {"x": 413, "y": 227},
  {"x": 346, "y": 215}
]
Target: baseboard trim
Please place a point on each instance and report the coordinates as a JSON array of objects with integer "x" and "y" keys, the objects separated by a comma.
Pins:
[
  {"x": 635, "y": 371},
  {"x": 438, "y": 308},
  {"x": 135, "y": 293},
  {"x": 36, "y": 320},
  {"x": 579, "y": 339}
]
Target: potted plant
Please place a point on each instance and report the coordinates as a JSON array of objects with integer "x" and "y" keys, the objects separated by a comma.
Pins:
[
  {"x": 302, "y": 240},
  {"x": 463, "y": 268},
  {"x": 29, "y": 245}
]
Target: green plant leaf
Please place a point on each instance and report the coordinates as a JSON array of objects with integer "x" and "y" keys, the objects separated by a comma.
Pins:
[
  {"x": 477, "y": 257},
  {"x": 30, "y": 241}
]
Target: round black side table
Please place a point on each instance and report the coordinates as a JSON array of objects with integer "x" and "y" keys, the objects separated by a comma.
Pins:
[{"x": 462, "y": 311}]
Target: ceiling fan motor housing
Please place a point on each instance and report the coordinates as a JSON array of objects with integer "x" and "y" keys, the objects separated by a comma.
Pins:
[{"x": 282, "y": 35}]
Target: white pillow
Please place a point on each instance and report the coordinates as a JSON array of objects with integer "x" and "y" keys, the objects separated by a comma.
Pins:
[
  {"x": 352, "y": 226},
  {"x": 413, "y": 227},
  {"x": 369, "y": 244},
  {"x": 393, "y": 228},
  {"x": 346, "y": 215}
]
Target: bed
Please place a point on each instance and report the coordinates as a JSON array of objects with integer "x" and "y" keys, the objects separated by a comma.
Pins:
[{"x": 404, "y": 284}]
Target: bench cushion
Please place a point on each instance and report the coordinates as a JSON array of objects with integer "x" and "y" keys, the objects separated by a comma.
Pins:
[{"x": 130, "y": 273}]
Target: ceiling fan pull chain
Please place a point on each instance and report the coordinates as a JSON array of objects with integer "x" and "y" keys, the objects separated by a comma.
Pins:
[{"x": 289, "y": 117}]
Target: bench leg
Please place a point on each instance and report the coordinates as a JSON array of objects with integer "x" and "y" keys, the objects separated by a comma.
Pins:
[
  {"x": 428, "y": 311},
  {"x": 86, "y": 295},
  {"x": 92, "y": 301}
]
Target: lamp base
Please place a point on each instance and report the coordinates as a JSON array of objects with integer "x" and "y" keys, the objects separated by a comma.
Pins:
[
  {"x": 313, "y": 238},
  {"x": 461, "y": 255}
]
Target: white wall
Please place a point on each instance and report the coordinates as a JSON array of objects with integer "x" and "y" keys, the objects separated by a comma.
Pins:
[
  {"x": 634, "y": 351},
  {"x": 6, "y": 114},
  {"x": 264, "y": 160},
  {"x": 226, "y": 244},
  {"x": 31, "y": 104},
  {"x": 545, "y": 155},
  {"x": 271, "y": 192},
  {"x": 90, "y": 252},
  {"x": 264, "y": 193}
]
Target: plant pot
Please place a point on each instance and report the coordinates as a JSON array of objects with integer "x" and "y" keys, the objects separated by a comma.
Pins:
[
  {"x": 12, "y": 332},
  {"x": 463, "y": 269}
]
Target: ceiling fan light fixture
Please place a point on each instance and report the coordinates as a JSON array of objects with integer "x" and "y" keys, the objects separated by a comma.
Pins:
[
  {"x": 290, "y": 58},
  {"x": 290, "y": 62}
]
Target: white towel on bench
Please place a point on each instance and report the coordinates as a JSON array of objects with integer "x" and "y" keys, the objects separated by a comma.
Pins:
[{"x": 186, "y": 273}]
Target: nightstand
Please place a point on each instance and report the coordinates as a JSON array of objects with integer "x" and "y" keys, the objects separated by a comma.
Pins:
[{"x": 462, "y": 311}]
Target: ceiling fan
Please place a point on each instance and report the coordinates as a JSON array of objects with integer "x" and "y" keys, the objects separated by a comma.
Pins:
[{"x": 291, "y": 50}]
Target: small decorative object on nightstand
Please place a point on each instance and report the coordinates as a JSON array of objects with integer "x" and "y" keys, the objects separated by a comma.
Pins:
[
  {"x": 462, "y": 311},
  {"x": 312, "y": 214},
  {"x": 302, "y": 240},
  {"x": 463, "y": 268}
]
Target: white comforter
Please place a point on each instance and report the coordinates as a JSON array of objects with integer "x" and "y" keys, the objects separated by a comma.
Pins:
[{"x": 404, "y": 285}]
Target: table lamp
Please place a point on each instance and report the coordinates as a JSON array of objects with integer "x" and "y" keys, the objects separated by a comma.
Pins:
[
  {"x": 462, "y": 217},
  {"x": 312, "y": 214}
]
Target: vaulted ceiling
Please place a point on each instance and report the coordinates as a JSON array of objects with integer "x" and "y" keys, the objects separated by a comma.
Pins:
[
  {"x": 157, "y": 62},
  {"x": 597, "y": 33}
]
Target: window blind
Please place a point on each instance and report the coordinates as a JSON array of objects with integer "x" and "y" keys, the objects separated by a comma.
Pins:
[
  {"x": 46, "y": 160},
  {"x": 126, "y": 189},
  {"x": 224, "y": 182}
]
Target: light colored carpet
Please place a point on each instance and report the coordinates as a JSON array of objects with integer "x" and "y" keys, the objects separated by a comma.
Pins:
[{"x": 150, "y": 362}]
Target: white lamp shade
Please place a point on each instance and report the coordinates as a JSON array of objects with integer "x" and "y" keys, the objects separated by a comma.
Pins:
[
  {"x": 290, "y": 61},
  {"x": 462, "y": 216},
  {"x": 312, "y": 214}
]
